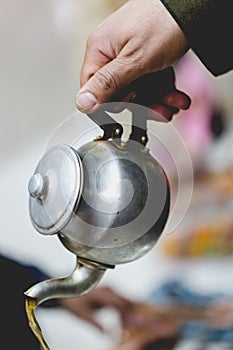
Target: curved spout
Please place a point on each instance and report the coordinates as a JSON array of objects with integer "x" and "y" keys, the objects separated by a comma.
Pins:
[{"x": 85, "y": 276}]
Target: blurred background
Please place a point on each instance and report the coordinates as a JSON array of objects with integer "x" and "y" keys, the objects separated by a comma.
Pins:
[{"x": 42, "y": 48}]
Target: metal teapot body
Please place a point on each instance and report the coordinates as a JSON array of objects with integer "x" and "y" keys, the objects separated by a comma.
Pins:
[
  {"x": 123, "y": 207},
  {"x": 108, "y": 202}
]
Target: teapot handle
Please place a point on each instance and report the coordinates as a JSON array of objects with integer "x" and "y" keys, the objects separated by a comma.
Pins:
[
  {"x": 111, "y": 128},
  {"x": 114, "y": 130},
  {"x": 142, "y": 92}
]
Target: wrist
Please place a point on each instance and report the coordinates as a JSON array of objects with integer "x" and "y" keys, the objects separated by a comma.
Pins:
[{"x": 176, "y": 40}]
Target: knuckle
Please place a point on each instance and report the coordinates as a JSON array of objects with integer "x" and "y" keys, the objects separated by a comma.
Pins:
[
  {"x": 107, "y": 81},
  {"x": 95, "y": 38},
  {"x": 92, "y": 39}
]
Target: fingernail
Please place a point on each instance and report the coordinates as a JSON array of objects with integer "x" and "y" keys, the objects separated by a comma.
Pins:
[{"x": 86, "y": 101}]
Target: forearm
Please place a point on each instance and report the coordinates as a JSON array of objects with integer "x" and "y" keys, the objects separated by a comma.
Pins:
[{"x": 207, "y": 26}]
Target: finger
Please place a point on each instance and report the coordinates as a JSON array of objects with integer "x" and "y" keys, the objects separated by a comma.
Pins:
[
  {"x": 105, "y": 297},
  {"x": 177, "y": 99},
  {"x": 157, "y": 111},
  {"x": 94, "y": 59},
  {"x": 115, "y": 300},
  {"x": 104, "y": 84}
]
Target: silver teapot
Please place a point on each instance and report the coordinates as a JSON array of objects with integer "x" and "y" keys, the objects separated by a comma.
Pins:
[{"x": 107, "y": 201}]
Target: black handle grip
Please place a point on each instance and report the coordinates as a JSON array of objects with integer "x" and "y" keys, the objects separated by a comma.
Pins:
[
  {"x": 143, "y": 92},
  {"x": 111, "y": 128},
  {"x": 148, "y": 88}
]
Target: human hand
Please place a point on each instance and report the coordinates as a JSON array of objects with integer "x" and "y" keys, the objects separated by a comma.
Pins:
[
  {"x": 146, "y": 330},
  {"x": 134, "y": 41},
  {"x": 100, "y": 297}
]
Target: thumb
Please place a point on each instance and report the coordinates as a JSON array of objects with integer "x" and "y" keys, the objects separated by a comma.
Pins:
[{"x": 104, "y": 84}]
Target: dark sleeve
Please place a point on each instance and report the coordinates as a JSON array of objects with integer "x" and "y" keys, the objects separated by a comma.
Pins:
[
  {"x": 207, "y": 25},
  {"x": 18, "y": 277},
  {"x": 15, "y": 279},
  {"x": 22, "y": 276}
]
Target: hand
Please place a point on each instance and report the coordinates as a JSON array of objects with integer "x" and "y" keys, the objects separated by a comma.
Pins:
[
  {"x": 135, "y": 40},
  {"x": 85, "y": 306},
  {"x": 145, "y": 328}
]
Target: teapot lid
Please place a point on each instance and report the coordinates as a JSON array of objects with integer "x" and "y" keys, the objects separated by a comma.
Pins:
[{"x": 55, "y": 189}]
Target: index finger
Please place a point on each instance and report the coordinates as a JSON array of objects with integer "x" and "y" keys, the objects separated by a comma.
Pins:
[{"x": 94, "y": 59}]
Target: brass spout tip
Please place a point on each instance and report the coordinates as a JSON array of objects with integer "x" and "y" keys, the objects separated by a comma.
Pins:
[{"x": 27, "y": 293}]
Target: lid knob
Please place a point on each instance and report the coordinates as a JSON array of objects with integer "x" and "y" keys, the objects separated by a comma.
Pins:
[{"x": 36, "y": 185}]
